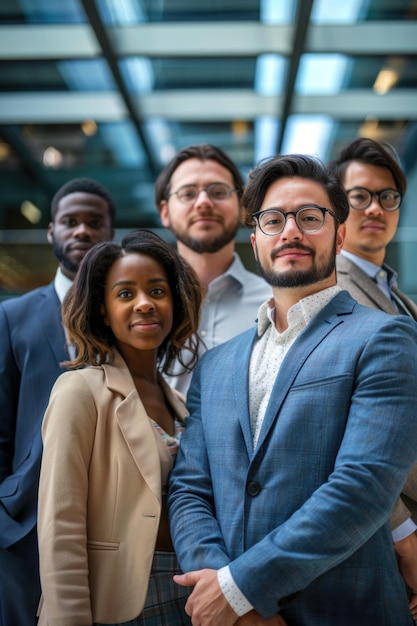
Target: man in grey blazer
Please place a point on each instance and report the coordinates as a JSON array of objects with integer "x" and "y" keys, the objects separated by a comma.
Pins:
[
  {"x": 33, "y": 345},
  {"x": 289, "y": 467},
  {"x": 375, "y": 184}
]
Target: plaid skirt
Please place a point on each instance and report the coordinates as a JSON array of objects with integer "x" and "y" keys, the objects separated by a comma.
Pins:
[{"x": 165, "y": 601}]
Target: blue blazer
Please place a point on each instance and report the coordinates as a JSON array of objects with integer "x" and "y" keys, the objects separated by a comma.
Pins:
[
  {"x": 302, "y": 520},
  {"x": 32, "y": 346}
]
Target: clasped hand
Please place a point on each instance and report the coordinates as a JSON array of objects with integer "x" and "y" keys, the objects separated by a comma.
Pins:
[{"x": 208, "y": 606}]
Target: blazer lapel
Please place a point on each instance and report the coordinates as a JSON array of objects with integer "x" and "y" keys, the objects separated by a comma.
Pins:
[
  {"x": 137, "y": 431},
  {"x": 409, "y": 306},
  {"x": 317, "y": 330},
  {"x": 48, "y": 316},
  {"x": 134, "y": 423},
  {"x": 365, "y": 284},
  {"x": 240, "y": 372}
]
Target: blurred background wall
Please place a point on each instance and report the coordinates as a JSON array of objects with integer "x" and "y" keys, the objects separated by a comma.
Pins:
[{"x": 111, "y": 89}]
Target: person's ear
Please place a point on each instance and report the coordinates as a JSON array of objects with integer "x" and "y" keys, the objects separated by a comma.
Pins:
[
  {"x": 50, "y": 233},
  {"x": 164, "y": 213},
  {"x": 254, "y": 248},
  {"x": 340, "y": 237}
]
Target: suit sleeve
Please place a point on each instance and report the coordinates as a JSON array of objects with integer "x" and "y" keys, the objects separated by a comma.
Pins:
[
  {"x": 68, "y": 435},
  {"x": 18, "y": 480},
  {"x": 31, "y": 336},
  {"x": 342, "y": 513},
  {"x": 9, "y": 393},
  {"x": 400, "y": 514},
  {"x": 406, "y": 506},
  {"x": 208, "y": 550}
]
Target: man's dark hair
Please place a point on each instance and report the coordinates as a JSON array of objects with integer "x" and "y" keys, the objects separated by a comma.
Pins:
[
  {"x": 84, "y": 185},
  {"x": 370, "y": 152},
  {"x": 287, "y": 166},
  {"x": 203, "y": 152}
]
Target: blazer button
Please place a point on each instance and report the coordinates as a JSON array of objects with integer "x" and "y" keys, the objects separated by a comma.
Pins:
[{"x": 253, "y": 489}]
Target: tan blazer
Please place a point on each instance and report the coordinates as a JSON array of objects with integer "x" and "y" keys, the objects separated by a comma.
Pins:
[
  {"x": 367, "y": 292},
  {"x": 99, "y": 497}
]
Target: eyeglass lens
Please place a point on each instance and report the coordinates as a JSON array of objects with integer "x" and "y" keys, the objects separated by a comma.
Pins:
[
  {"x": 308, "y": 220},
  {"x": 215, "y": 191},
  {"x": 361, "y": 198}
]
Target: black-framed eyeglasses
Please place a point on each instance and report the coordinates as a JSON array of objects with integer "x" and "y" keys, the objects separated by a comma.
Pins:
[
  {"x": 309, "y": 219},
  {"x": 360, "y": 198},
  {"x": 217, "y": 192}
]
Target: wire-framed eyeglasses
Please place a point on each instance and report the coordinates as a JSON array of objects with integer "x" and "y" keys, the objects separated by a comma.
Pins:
[
  {"x": 360, "y": 198},
  {"x": 217, "y": 192},
  {"x": 309, "y": 219}
]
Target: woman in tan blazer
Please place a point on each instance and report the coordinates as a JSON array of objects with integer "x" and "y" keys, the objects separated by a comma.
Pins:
[{"x": 110, "y": 434}]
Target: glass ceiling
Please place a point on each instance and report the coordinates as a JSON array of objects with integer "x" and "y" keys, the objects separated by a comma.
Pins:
[{"x": 113, "y": 88}]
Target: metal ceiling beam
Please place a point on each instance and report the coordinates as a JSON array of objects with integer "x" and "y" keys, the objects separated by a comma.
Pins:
[
  {"x": 107, "y": 48},
  {"x": 75, "y": 41},
  {"x": 300, "y": 34},
  {"x": 61, "y": 107},
  {"x": 250, "y": 39},
  {"x": 51, "y": 41},
  {"x": 364, "y": 38},
  {"x": 202, "y": 106},
  {"x": 12, "y": 136}
]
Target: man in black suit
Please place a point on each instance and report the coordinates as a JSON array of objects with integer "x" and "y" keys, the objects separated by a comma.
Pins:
[{"x": 33, "y": 345}]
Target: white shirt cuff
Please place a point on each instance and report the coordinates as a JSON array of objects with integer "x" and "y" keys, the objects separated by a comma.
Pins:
[
  {"x": 404, "y": 530},
  {"x": 233, "y": 595}
]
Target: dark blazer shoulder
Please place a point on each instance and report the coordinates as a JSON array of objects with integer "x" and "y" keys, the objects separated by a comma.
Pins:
[{"x": 20, "y": 303}]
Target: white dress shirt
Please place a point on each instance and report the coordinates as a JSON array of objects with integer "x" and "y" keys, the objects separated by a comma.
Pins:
[
  {"x": 229, "y": 308},
  {"x": 266, "y": 358}
]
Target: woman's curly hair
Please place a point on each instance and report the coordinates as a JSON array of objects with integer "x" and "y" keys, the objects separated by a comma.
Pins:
[{"x": 82, "y": 307}]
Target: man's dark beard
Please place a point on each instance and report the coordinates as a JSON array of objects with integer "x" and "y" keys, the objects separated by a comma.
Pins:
[
  {"x": 63, "y": 259},
  {"x": 299, "y": 278},
  {"x": 212, "y": 245}
]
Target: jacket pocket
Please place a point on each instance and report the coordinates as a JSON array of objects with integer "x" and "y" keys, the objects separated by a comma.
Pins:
[{"x": 102, "y": 545}]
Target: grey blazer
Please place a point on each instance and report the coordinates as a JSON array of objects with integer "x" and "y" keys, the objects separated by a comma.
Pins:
[{"x": 367, "y": 292}]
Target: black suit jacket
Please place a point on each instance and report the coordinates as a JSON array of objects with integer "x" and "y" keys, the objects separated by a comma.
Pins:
[{"x": 32, "y": 346}]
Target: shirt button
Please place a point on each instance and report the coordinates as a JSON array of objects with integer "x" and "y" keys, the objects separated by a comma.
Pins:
[
  {"x": 203, "y": 333},
  {"x": 253, "y": 489}
]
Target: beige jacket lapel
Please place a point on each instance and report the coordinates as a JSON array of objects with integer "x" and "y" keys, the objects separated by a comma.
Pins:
[{"x": 134, "y": 421}]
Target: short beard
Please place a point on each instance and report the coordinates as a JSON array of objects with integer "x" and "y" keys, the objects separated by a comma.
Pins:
[
  {"x": 63, "y": 259},
  {"x": 207, "y": 246},
  {"x": 299, "y": 278}
]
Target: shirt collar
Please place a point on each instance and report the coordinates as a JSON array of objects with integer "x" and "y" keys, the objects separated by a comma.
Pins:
[
  {"x": 306, "y": 309},
  {"x": 371, "y": 269},
  {"x": 236, "y": 271},
  {"x": 62, "y": 284}
]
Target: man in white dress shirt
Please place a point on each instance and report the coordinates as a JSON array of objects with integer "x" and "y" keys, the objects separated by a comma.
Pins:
[{"x": 198, "y": 195}]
